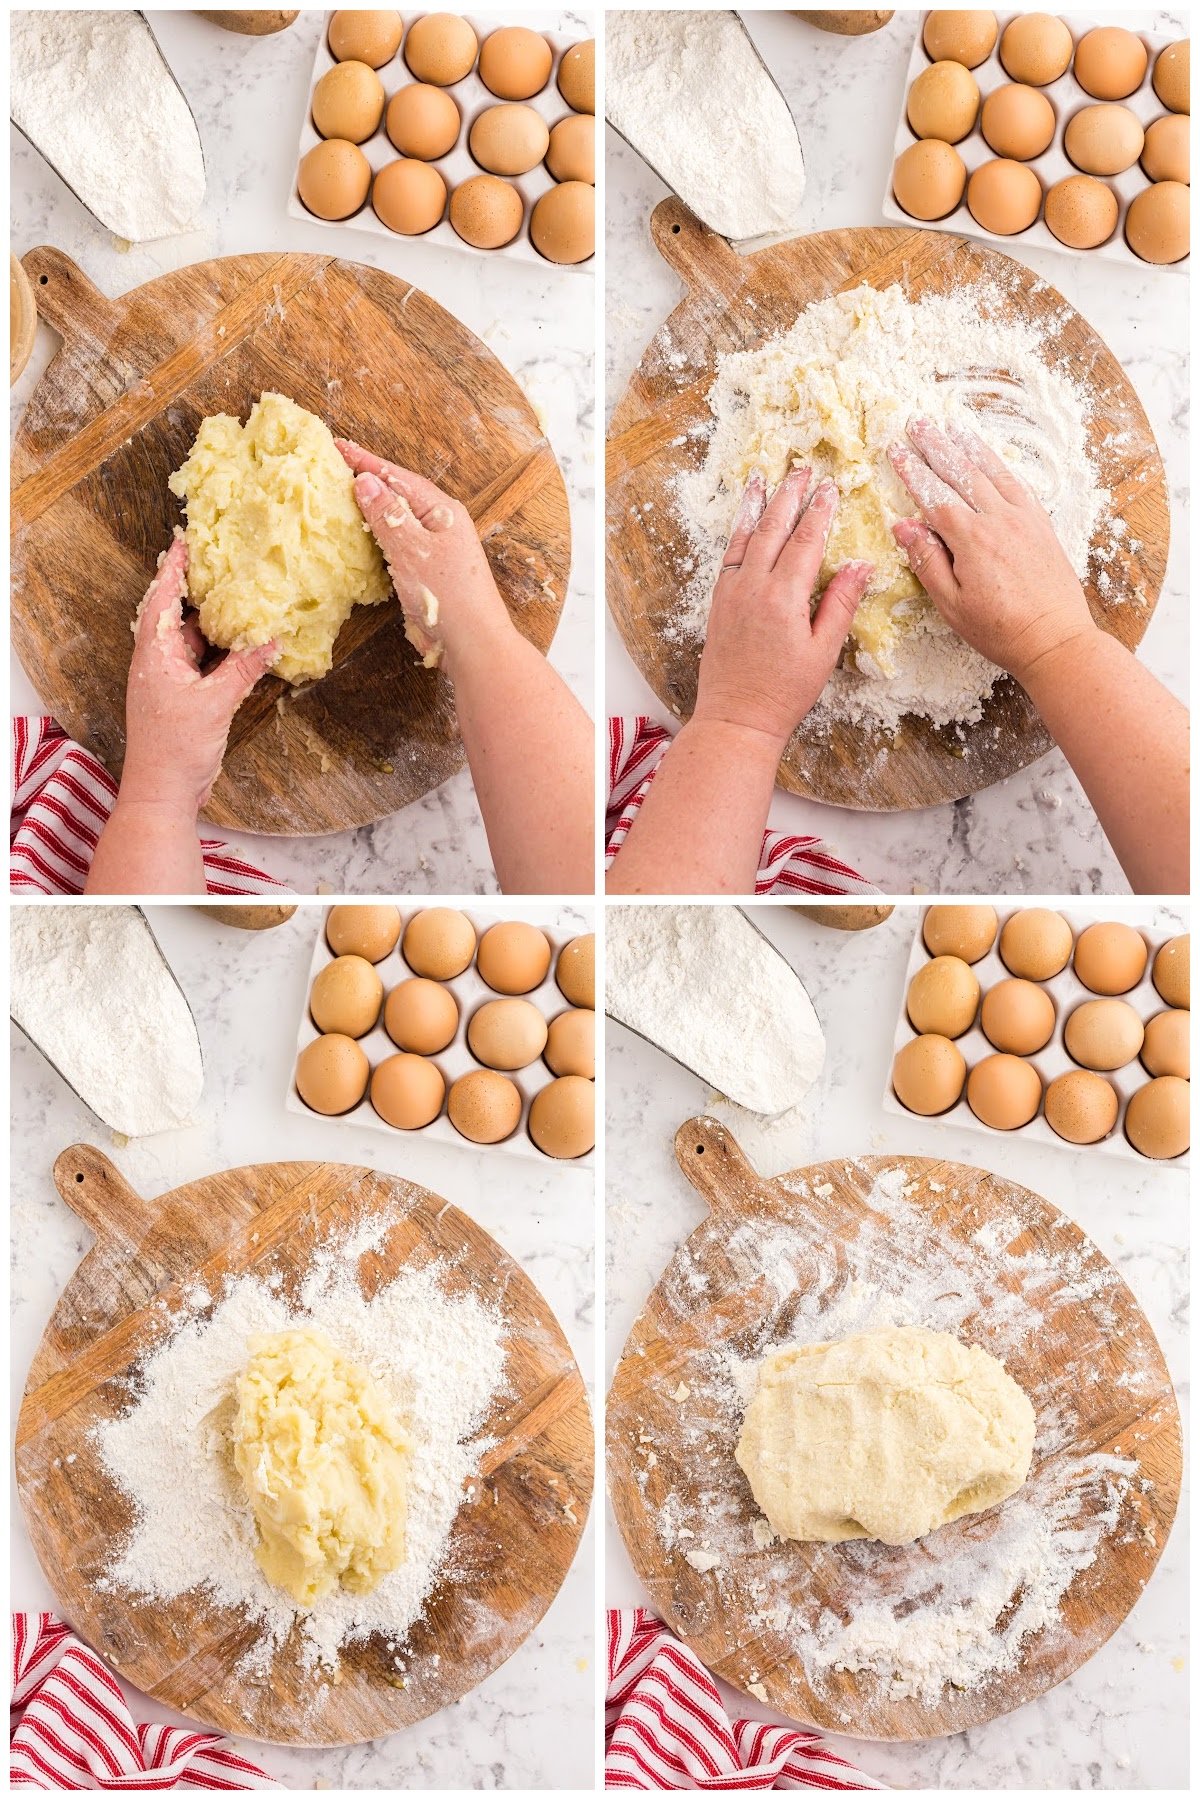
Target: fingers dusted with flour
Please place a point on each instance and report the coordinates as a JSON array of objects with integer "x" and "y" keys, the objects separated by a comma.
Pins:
[
  {"x": 928, "y": 558},
  {"x": 744, "y": 526}
]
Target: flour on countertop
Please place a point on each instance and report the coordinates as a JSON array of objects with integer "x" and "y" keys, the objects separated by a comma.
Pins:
[{"x": 88, "y": 985}]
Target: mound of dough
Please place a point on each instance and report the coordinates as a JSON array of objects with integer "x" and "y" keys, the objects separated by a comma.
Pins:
[
  {"x": 325, "y": 1466},
  {"x": 277, "y": 547},
  {"x": 887, "y": 1434}
]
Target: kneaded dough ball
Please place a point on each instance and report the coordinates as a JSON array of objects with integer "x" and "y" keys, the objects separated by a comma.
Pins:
[
  {"x": 1081, "y": 1107},
  {"x": 507, "y": 1034},
  {"x": 423, "y": 121},
  {"x": 513, "y": 957},
  {"x": 324, "y": 1464},
  {"x": 1110, "y": 62},
  {"x": 1173, "y": 76},
  {"x": 1158, "y": 223},
  {"x": 929, "y": 179},
  {"x": 576, "y": 971},
  {"x": 370, "y": 931},
  {"x": 1036, "y": 943},
  {"x": 1110, "y": 958},
  {"x": 1004, "y": 1092},
  {"x": 486, "y": 211},
  {"x": 964, "y": 931},
  {"x": 963, "y": 37},
  {"x": 943, "y": 997},
  {"x": 439, "y": 942},
  {"x": 577, "y": 77},
  {"x": 1158, "y": 1118},
  {"x": 369, "y": 37},
  {"x": 1017, "y": 1016},
  {"x": 277, "y": 547},
  {"x": 407, "y": 1091},
  {"x": 484, "y": 1107},
  {"x": 421, "y": 1015},
  {"x": 571, "y": 1044},
  {"x": 562, "y": 1118},
  {"x": 562, "y": 225},
  {"x": 332, "y": 1074},
  {"x": 441, "y": 48},
  {"x": 887, "y": 1435},
  {"x": 943, "y": 102},
  {"x": 346, "y": 996},
  {"x": 928, "y": 1075},
  {"x": 1167, "y": 151},
  {"x": 348, "y": 102},
  {"x": 515, "y": 63},
  {"x": 1172, "y": 972},
  {"x": 1166, "y": 1047},
  {"x": 571, "y": 155},
  {"x": 1036, "y": 47},
  {"x": 333, "y": 179}
]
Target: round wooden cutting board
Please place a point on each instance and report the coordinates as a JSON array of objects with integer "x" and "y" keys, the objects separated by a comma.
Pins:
[
  {"x": 737, "y": 302},
  {"x": 117, "y": 411},
  {"x": 984, "y": 1257},
  {"x": 516, "y": 1531}
]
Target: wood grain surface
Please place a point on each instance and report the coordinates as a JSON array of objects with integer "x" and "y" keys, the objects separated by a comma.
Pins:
[
  {"x": 736, "y": 302},
  {"x": 516, "y": 1532},
  {"x": 117, "y": 411},
  {"x": 772, "y": 1257}
]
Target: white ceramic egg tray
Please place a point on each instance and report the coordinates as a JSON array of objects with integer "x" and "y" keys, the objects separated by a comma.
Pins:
[
  {"x": 1066, "y": 97},
  {"x": 471, "y": 98},
  {"x": 470, "y": 991},
  {"x": 1067, "y": 992}
]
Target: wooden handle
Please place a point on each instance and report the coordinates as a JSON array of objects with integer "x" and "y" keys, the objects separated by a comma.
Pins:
[
  {"x": 700, "y": 257},
  {"x": 94, "y": 1188},
  {"x": 711, "y": 1158},
  {"x": 66, "y": 298}
]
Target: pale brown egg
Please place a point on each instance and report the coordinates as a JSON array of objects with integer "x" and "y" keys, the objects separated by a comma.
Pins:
[
  {"x": 1081, "y": 212},
  {"x": 1104, "y": 140},
  {"x": 942, "y": 997},
  {"x": 1103, "y": 1034},
  {"x": 1110, "y": 62},
  {"x": 1005, "y": 197},
  {"x": 943, "y": 102},
  {"x": 441, "y": 48},
  {"x": 965, "y": 931},
  {"x": 409, "y": 196},
  {"x": 1110, "y": 958},
  {"x": 346, "y": 996},
  {"x": 423, "y": 121},
  {"x": 963, "y": 37},
  {"x": 1081, "y": 1107},
  {"x": 1036, "y": 48},
  {"x": 562, "y": 1118},
  {"x": 1172, "y": 972},
  {"x": 928, "y": 179},
  {"x": 1166, "y": 1048},
  {"x": 439, "y": 942},
  {"x": 1018, "y": 1016},
  {"x": 577, "y": 76},
  {"x": 407, "y": 1091},
  {"x": 421, "y": 1015},
  {"x": 1173, "y": 76},
  {"x": 572, "y": 152},
  {"x": 484, "y": 1106},
  {"x": 1157, "y": 225},
  {"x": 1036, "y": 943},
  {"x": 332, "y": 1074},
  {"x": 509, "y": 140},
  {"x": 1166, "y": 154},
  {"x": 486, "y": 212},
  {"x": 514, "y": 63},
  {"x": 1157, "y": 1119},
  {"x": 1017, "y": 121},
  {"x": 333, "y": 179},
  {"x": 576, "y": 971},
  {"x": 507, "y": 1034},
  {"x": 571, "y": 1044},
  {"x": 348, "y": 102},
  {"x": 1004, "y": 1092},
  {"x": 369, "y": 37},
  {"x": 370, "y": 931},
  {"x": 928, "y": 1074},
  {"x": 562, "y": 225},
  {"x": 513, "y": 958}
]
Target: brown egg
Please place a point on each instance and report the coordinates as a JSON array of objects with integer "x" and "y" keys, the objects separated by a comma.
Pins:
[
  {"x": 1017, "y": 121},
  {"x": 368, "y": 37},
  {"x": 1157, "y": 225},
  {"x": 421, "y": 1015},
  {"x": 514, "y": 63},
  {"x": 942, "y": 997},
  {"x": 486, "y": 212},
  {"x": 348, "y": 102},
  {"x": 1166, "y": 155},
  {"x": 439, "y": 942},
  {"x": 576, "y": 971},
  {"x": 1081, "y": 1107},
  {"x": 577, "y": 76},
  {"x": 409, "y": 196},
  {"x": 1036, "y": 48},
  {"x": 965, "y": 931},
  {"x": 943, "y": 102},
  {"x": 1081, "y": 212},
  {"x": 928, "y": 179},
  {"x": 1018, "y": 1016},
  {"x": 346, "y": 997},
  {"x": 1166, "y": 1048},
  {"x": 571, "y": 1044},
  {"x": 1173, "y": 76},
  {"x": 1104, "y": 140},
  {"x": 441, "y": 48},
  {"x": 1103, "y": 1034},
  {"x": 509, "y": 140},
  {"x": 1036, "y": 943},
  {"x": 484, "y": 1107},
  {"x": 332, "y": 1074},
  {"x": 370, "y": 931},
  {"x": 562, "y": 1118},
  {"x": 333, "y": 179},
  {"x": 1004, "y": 1092},
  {"x": 507, "y": 1034},
  {"x": 928, "y": 1075},
  {"x": 1110, "y": 958},
  {"x": 1110, "y": 63},
  {"x": 407, "y": 1091},
  {"x": 572, "y": 152},
  {"x": 513, "y": 958},
  {"x": 1157, "y": 1119},
  {"x": 562, "y": 225},
  {"x": 963, "y": 37},
  {"x": 1172, "y": 973},
  {"x": 423, "y": 121},
  {"x": 1004, "y": 197}
]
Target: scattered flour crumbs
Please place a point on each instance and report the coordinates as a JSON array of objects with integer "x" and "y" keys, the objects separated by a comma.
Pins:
[
  {"x": 440, "y": 1359},
  {"x": 956, "y": 1609}
]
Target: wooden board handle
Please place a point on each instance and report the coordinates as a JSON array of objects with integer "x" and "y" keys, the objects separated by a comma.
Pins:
[
  {"x": 711, "y": 1158},
  {"x": 94, "y": 1188},
  {"x": 66, "y": 299},
  {"x": 698, "y": 256}
]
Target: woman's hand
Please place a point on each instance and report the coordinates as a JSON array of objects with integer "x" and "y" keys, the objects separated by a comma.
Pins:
[
  {"x": 985, "y": 551},
  {"x": 767, "y": 656}
]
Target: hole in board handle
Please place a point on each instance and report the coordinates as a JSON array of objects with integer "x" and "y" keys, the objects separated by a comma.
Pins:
[
  {"x": 699, "y": 1152},
  {"x": 43, "y": 281},
  {"x": 79, "y": 1177},
  {"x": 676, "y": 229}
]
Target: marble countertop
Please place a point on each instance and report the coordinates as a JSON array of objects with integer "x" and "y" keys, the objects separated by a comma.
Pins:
[
  {"x": 248, "y": 96},
  {"x": 1034, "y": 833},
  {"x": 531, "y": 1723},
  {"x": 1122, "y": 1720}
]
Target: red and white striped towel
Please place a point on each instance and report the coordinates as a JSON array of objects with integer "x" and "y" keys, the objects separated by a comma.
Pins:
[
  {"x": 665, "y": 1725},
  {"x": 62, "y": 797},
  {"x": 788, "y": 864},
  {"x": 71, "y": 1728}
]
